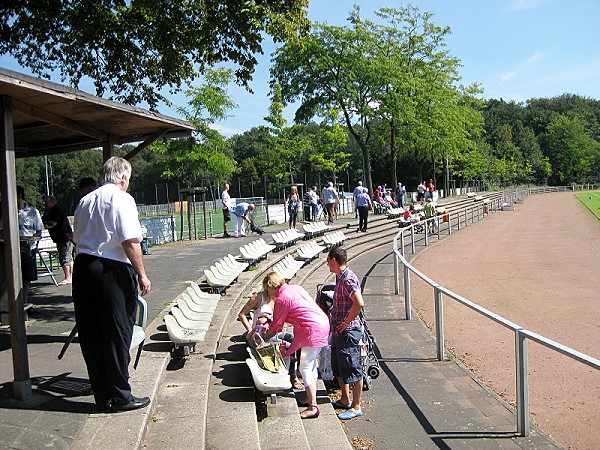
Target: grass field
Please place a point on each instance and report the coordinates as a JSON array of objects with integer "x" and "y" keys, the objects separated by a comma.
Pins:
[{"x": 592, "y": 201}]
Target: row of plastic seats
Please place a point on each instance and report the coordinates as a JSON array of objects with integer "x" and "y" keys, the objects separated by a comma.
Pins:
[
  {"x": 189, "y": 320},
  {"x": 288, "y": 267},
  {"x": 285, "y": 238},
  {"x": 394, "y": 213},
  {"x": 314, "y": 229},
  {"x": 310, "y": 251},
  {"x": 334, "y": 239},
  {"x": 223, "y": 273},
  {"x": 255, "y": 251}
]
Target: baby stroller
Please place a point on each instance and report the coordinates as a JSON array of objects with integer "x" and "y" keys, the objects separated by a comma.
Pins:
[{"x": 369, "y": 361}]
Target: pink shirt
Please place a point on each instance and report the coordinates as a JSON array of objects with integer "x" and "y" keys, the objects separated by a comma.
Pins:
[{"x": 295, "y": 306}]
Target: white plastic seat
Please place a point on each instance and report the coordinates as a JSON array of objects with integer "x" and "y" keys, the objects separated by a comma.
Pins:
[
  {"x": 200, "y": 306},
  {"x": 191, "y": 314},
  {"x": 189, "y": 324},
  {"x": 265, "y": 381},
  {"x": 182, "y": 337},
  {"x": 201, "y": 294}
]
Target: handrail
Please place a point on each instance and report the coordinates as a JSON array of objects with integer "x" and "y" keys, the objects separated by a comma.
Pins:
[{"x": 522, "y": 335}]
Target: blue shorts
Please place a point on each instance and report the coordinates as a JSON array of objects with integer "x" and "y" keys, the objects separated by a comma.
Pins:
[{"x": 345, "y": 356}]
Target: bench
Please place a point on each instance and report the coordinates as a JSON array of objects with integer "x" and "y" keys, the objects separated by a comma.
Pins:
[
  {"x": 314, "y": 229},
  {"x": 394, "y": 213},
  {"x": 288, "y": 267},
  {"x": 334, "y": 239},
  {"x": 310, "y": 251}
]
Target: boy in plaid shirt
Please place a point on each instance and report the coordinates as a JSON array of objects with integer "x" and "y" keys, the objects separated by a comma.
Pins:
[{"x": 347, "y": 333}]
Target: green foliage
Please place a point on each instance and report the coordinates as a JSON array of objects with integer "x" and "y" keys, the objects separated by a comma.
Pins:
[
  {"x": 136, "y": 48},
  {"x": 202, "y": 157}
]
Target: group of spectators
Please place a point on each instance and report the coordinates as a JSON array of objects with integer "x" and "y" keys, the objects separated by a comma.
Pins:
[{"x": 279, "y": 303}]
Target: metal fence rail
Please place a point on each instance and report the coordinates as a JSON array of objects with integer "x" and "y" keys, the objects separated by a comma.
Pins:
[{"x": 522, "y": 335}]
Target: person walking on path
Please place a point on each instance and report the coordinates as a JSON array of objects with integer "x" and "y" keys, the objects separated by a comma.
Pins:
[
  {"x": 357, "y": 190},
  {"x": 240, "y": 215},
  {"x": 61, "y": 233},
  {"x": 346, "y": 334},
  {"x": 295, "y": 306},
  {"x": 330, "y": 200},
  {"x": 108, "y": 268},
  {"x": 226, "y": 200},
  {"x": 364, "y": 204}
]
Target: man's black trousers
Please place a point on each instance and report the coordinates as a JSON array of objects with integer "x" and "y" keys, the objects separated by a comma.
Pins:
[
  {"x": 363, "y": 213},
  {"x": 105, "y": 299}
]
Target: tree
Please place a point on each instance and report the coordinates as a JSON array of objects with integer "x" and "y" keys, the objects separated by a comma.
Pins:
[
  {"x": 201, "y": 156},
  {"x": 573, "y": 153},
  {"x": 330, "y": 70},
  {"x": 133, "y": 49}
]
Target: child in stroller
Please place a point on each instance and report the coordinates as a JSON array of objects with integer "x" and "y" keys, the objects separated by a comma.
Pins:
[{"x": 369, "y": 361}]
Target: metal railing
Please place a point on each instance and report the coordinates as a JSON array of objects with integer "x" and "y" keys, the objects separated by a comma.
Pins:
[{"x": 521, "y": 335}]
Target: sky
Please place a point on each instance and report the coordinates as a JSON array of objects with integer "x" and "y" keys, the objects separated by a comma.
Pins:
[{"x": 515, "y": 49}]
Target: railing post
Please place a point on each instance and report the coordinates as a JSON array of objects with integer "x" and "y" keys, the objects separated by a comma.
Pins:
[
  {"x": 449, "y": 223},
  {"x": 407, "y": 299},
  {"x": 412, "y": 238},
  {"x": 396, "y": 274},
  {"x": 439, "y": 323},
  {"x": 522, "y": 383},
  {"x": 458, "y": 223}
]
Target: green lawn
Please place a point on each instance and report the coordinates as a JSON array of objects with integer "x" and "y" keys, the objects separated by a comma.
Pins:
[{"x": 592, "y": 201}]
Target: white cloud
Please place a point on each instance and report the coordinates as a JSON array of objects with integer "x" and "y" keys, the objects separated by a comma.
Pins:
[
  {"x": 534, "y": 58},
  {"x": 508, "y": 76},
  {"x": 225, "y": 130},
  {"x": 520, "y": 5}
]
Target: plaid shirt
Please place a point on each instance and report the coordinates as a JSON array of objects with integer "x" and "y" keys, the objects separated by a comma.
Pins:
[{"x": 346, "y": 284}]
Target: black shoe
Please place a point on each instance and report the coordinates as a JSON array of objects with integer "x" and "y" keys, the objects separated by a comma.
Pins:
[
  {"x": 226, "y": 234},
  {"x": 134, "y": 403}
]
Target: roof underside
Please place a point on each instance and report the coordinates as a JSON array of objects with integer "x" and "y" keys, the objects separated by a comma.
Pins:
[{"x": 49, "y": 118}]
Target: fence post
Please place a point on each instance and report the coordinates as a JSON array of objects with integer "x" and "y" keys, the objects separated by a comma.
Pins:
[
  {"x": 396, "y": 274},
  {"x": 407, "y": 299},
  {"x": 412, "y": 238},
  {"x": 439, "y": 323},
  {"x": 522, "y": 383}
]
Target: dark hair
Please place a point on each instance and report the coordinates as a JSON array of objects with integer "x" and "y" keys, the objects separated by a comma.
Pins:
[
  {"x": 339, "y": 254},
  {"x": 21, "y": 192}
]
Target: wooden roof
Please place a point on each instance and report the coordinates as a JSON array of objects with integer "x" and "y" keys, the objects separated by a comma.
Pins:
[{"x": 50, "y": 118}]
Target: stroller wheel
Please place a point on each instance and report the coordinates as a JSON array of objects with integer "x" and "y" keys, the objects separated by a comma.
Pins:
[
  {"x": 373, "y": 371},
  {"x": 367, "y": 383}
]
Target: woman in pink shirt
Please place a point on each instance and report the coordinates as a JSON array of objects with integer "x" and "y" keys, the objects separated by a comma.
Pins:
[{"x": 295, "y": 306}]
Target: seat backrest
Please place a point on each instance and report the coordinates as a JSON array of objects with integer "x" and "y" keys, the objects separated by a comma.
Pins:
[{"x": 142, "y": 313}]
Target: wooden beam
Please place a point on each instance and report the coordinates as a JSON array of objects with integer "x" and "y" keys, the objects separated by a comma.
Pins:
[
  {"x": 146, "y": 143},
  {"x": 12, "y": 255},
  {"x": 59, "y": 121}
]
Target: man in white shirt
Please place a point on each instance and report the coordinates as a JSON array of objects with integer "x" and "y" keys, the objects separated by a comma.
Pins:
[
  {"x": 226, "y": 200},
  {"x": 106, "y": 274},
  {"x": 357, "y": 191},
  {"x": 330, "y": 199}
]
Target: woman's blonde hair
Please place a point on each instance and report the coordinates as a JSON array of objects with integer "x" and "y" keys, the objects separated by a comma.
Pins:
[
  {"x": 272, "y": 280},
  {"x": 294, "y": 188}
]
